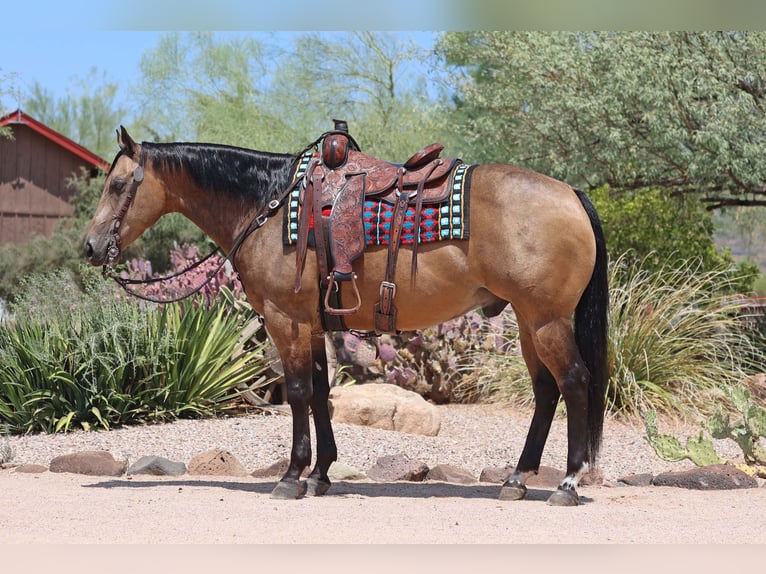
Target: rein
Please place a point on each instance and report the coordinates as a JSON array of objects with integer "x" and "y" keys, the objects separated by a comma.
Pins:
[{"x": 113, "y": 247}]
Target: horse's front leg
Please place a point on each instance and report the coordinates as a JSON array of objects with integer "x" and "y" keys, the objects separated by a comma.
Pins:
[
  {"x": 318, "y": 482},
  {"x": 294, "y": 346}
]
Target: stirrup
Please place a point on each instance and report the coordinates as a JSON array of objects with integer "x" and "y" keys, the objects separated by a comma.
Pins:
[{"x": 333, "y": 284}]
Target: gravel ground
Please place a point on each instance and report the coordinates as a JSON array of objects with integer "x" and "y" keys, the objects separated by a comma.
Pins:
[
  {"x": 472, "y": 437},
  {"x": 69, "y": 508}
]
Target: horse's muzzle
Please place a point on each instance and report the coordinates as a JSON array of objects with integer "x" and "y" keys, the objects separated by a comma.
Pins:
[{"x": 93, "y": 254}]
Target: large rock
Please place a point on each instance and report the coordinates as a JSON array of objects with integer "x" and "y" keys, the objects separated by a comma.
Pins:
[
  {"x": 216, "y": 462},
  {"x": 384, "y": 406},
  {"x": 91, "y": 462},
  {"x": 395, "y": 467},
  {"x": 450, "y": 473},
  {"x": 713, "y": 477},
  {"x": 157, "y": 466}
]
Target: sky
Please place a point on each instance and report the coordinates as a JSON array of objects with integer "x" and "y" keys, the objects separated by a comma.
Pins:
[
  {"x": 58, "y": 59},
  {"x": 56, "y": 42}
]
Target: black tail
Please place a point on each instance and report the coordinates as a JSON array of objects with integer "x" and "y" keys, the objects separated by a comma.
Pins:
[{"x": 591, "y": 332}]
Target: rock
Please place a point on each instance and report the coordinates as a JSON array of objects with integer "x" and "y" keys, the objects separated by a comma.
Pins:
[
  {"x": 277, "y": 470},
  {"x": 644, "y": 479},
  {"x": 495, "y": 474},
  {"x": 91, "y": 462},
  {"x": 712, "y": 477},
  {"x": 594, "y": 477},
  {"x": 546, "y": 477},
  {"x": 216, "y": 462},
  {"x": 340, "y": 471},
  {"x": 449, "y": 473},
  {"x": 384, "y": 406},
  {"x": 31, "y": 468},
  {"x": 158, "y": 466},
  {"x": 397, "y": 467}
]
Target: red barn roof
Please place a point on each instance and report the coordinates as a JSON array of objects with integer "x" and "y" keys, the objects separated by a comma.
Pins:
[{"x": 19, "y": 117}]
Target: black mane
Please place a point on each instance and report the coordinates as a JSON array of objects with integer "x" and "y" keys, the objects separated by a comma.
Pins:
[{"x": 242, "y": 174}]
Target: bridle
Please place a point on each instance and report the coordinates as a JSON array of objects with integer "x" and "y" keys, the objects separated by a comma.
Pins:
[{"x": 113, "y": 246}]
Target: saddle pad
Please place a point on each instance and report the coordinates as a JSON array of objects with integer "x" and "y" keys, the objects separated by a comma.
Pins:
[{"x": 448, "y": 220}]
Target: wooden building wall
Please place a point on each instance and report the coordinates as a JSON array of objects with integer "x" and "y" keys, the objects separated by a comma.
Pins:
[{"x": 33, "y": 191}]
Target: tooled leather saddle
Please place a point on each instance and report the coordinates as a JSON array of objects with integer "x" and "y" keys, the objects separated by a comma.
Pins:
[{"x": 339, "y": 180}]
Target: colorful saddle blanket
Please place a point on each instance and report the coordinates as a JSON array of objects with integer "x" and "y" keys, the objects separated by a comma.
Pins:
[{"x": 448, "y": 220}]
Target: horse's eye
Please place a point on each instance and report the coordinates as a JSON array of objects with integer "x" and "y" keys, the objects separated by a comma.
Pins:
[{"x": 118, "y": 184}]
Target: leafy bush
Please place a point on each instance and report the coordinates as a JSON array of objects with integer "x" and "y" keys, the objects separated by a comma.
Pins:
[
  {"x": 748, "y": 429},
  {"x": 676, "y": 339},
  {"x": 660, "y": 231},
  {"x": 444, "y": 363},
  {"x": 96, "y": 360}
]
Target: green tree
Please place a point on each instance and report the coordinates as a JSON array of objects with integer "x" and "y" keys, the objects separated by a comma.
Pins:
[
  {"x": 681, "y": 112},
  {"x": 252, "y": 92},
  {"x": 370, "y": 80},
  {"x": 5, "y": 81},
  {"x": 660, "y": 232},
  {"x": 87, "y": 114}
]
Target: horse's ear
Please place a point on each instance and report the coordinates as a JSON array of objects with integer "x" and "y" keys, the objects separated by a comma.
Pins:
[{"x": 126, "y": 143}]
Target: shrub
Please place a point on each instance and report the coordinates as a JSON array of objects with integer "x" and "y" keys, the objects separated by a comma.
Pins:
[
  {"x": 676, "y": 339},
  {"x": 96, "y": 360}
]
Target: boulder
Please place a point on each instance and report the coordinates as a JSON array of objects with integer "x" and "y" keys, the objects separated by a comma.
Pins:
[
  {"x": 495, "y": 474},
  {"x": 31, "y": 468},
  {"x": 452, "y": 474},
  {"x": 395, "y": 467},
  {"x": 91, "y": 462},
  {"x": 712, "y": 477},
  {"x": 216, "y": 462},
  {"x": 384, "y": 406},
  {"x": 158, "y": 466}
]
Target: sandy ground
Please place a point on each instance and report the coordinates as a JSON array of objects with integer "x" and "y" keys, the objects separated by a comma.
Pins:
[
  {"x": 77, "y": 509},
  {"x": 68, "y": 508}
]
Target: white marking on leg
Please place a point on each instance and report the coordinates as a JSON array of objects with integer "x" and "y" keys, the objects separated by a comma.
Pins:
[{"x": 570, "y": 482}]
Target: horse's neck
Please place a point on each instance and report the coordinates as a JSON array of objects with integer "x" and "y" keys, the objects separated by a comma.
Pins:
[{"x": 218, "y": 215}]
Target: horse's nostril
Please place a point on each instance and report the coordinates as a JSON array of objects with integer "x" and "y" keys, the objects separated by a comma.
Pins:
[{"x": 88, "y": 250}]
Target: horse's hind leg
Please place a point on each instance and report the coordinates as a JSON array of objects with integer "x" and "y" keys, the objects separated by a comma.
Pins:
[
  {"x": 318, "y": 482},
  {"x": 546, "y": 398},
  {"x": 556, "y": 347}
]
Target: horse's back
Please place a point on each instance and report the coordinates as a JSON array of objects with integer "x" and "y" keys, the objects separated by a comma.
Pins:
[{"x": 530, "y": 243}]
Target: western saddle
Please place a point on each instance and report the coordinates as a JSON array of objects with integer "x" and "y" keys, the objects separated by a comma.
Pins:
[{"x": 340, "y": 178}]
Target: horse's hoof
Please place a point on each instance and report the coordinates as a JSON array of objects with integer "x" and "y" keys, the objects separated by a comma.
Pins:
[
  {"x": 562, "y": 497},
  {"x": 288, "y": 490},
  {"x": 316, "y": 486},
  {"x": 513, "y": 491}
]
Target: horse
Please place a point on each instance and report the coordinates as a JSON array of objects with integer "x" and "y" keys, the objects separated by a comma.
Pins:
[{"x": 536, "y": 244}]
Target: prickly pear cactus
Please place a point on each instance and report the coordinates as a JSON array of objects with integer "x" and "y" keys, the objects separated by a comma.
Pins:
[
  {"x": 747, "y": 431},
  {"x": 698, "y": 449}
]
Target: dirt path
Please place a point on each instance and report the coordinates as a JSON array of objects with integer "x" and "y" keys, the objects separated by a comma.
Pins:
[{"x": 66, "y": 508}]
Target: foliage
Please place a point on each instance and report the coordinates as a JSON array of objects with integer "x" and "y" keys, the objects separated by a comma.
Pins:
[
  {"x": 444, "y": 363},
  {"x": 746, "y": 432},
  {"x": 699, "y": 449},
  {"x": 676, "y": 338},
  {"x": 678, "y": 111},
  {"x": 659, "y": 230},
  {"x": 247, "y": 92},
  {"x": 61, "y": 251},
  {"x": 212, "y": 275},
  {"x": 98, "y": 360},
  {"x": 88, "y": 116}
]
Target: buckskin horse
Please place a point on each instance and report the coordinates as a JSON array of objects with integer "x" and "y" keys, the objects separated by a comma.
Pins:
[{"x": 535, "y": 243}]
